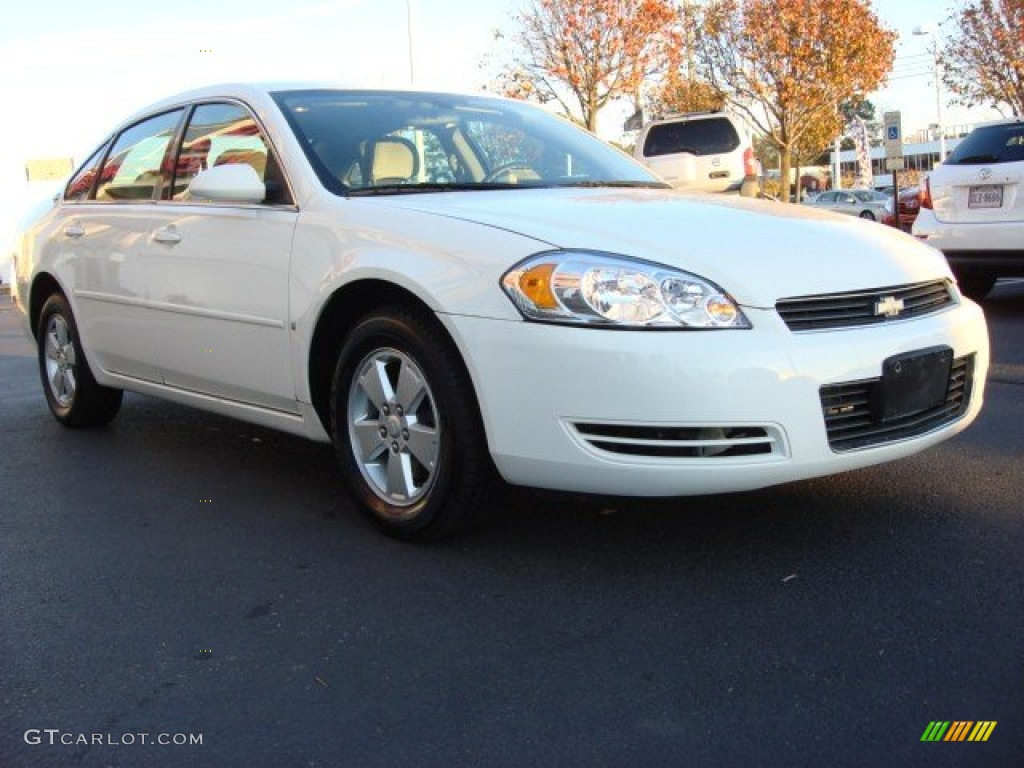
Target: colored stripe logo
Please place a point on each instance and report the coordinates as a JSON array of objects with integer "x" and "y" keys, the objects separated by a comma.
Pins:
[{"x": 958, "y": 730}]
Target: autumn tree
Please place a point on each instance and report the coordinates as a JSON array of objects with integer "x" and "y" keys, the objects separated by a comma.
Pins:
[
  {"x": 787, "y": 64},
  {"x": 677, "y": 93},
  {"x": 983, "y": 59},
  {"x": 681, "y": 89},
  {"x": 584, "y": 53}
]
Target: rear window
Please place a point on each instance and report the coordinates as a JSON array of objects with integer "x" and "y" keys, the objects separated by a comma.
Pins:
[
  {"x": 990, "y": 144},
  {"x": 707, "y": 136}
]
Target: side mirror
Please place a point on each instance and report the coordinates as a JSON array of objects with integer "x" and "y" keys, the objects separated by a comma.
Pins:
[{"x": 230, "y": 183}]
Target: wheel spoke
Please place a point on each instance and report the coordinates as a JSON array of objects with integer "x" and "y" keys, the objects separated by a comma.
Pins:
[
  {"x": 52, "y": 345},
  {"x": 374, "y": 382},
  {"x": 411, "y": 388},
  {"x": 69, "y": 383},
  {"x": 400, "y": 482},
  {"x": 422, "y": 445},
  {"x": 61, "y": 330},
  {"x": 371, "y": 445}
]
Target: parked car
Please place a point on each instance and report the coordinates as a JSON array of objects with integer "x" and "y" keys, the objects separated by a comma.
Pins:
[
  {"x": 453, "y": 289},
  {"x": 909, "y": 205},
  {"x": 702, "y": 151},
  {"x": 864, "y": 203},
  {"x": 972, "y": 206}
]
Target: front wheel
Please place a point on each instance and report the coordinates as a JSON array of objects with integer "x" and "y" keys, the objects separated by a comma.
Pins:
[
  {"x": 74, "y": 397},
  {"x": 975, "y": 283},
  {"x": 406, "y": 427}
]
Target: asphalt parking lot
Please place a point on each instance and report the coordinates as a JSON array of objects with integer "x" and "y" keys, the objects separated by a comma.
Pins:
[{"x": 180, "y": 575}]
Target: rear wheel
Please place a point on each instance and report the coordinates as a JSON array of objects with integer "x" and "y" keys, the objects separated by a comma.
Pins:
[
  {"x": 867, "y": 215},
  {"x": 407, "y": 429},
  {"x": 74, "y": 397}
]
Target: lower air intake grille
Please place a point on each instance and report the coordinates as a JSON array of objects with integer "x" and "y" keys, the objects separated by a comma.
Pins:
[
  {"x": 679, "y": 442},
  {"x": 851, "y": 425}
]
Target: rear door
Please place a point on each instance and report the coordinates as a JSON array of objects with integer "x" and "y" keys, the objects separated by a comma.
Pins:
[
  {"x": 107, "y": 215},
  {"x": 983, "y": 178}
]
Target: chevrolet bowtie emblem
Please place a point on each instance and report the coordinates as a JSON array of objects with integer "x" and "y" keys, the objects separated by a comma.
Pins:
[{"x": 889, "y": 306}]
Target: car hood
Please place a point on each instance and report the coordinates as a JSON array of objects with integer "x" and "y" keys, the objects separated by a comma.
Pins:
[{"x": 757, "y": 250}]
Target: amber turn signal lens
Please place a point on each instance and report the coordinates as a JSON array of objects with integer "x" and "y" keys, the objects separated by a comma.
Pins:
[{"x": 535, "y": 284}]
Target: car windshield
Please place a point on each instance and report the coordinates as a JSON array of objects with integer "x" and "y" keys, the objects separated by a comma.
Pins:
[
  {"x": 362, "y": 143},
  {"x": 990, "y": 144}
]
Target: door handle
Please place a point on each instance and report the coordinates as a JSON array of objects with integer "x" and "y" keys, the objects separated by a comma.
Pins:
[
  {"x": 74, "y": 230},
  {"x": 167, "y": 235}
]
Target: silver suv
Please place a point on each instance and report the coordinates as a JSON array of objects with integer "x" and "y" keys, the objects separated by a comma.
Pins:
[
  {"x": 705, "y": 151},
  {"x": 972, "y": 206}
]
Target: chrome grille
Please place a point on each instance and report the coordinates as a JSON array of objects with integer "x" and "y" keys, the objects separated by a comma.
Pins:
[
  {"x": 679, "y": 442},
  {"x": 851, "y": 425},
  {"x": 846, "y": 310}
]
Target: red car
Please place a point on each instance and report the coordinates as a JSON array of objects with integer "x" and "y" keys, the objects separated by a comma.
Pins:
[{"x": 909, "y": 205}]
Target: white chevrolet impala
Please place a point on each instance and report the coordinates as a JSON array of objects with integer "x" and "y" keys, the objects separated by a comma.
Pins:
[{"x": 453, "y": 289}]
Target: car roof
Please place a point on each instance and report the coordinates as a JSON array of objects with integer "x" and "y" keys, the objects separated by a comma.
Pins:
[
  {"x": 248, "y": 92},
  {"x": 258, "y": 93},
  {"x": 684, "y": 116},
  {"x": 1002, "y": 121}
]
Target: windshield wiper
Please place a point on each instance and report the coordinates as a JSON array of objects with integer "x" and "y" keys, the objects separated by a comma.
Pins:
[
  {"x": 411, "y": 189},
  {"x": 614, "y": 184}
]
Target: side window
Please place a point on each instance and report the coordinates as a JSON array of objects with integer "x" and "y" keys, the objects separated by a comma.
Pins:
[
  {"x": 135, "y": 168},
  {"x": 81, "y": 183},
  {"x": 223, "y": 134}
]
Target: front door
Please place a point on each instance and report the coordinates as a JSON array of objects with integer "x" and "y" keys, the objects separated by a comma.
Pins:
[{"x": 219, "y": 272}]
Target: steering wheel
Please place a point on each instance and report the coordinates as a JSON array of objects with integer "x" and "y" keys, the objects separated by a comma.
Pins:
[{"x": 506, "y": 169}]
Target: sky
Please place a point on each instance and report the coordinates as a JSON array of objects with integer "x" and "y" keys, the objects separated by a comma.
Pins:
[{"x": 70, "y": 70}]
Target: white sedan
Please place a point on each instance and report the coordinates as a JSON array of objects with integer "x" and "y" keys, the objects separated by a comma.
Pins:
[{"x": 453, "y": 289}]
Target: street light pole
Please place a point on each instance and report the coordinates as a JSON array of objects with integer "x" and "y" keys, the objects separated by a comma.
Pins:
[{"x": 929, "y": 29}]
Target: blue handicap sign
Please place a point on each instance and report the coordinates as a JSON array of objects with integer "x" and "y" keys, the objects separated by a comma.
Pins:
[{"x": 894, "y": 132}]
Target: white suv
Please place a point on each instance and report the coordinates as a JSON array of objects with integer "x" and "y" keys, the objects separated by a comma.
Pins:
[
  {"x": 972, "y": 206},
  {"x": 704, "y": 151}
]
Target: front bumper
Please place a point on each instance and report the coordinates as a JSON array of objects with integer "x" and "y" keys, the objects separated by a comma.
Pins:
[{"x": 544, "y": 390}]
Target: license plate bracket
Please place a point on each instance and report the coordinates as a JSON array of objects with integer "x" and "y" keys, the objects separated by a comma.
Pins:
[{"x": 912, "y": 383}]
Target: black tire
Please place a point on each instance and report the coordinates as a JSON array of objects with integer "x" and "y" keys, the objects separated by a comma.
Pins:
[
  {"x": 74, "y": 397},
  {"x": 975, "y": 284},
  {"x": 868, "y": 215},
  {"x": 407, "y": 429}
]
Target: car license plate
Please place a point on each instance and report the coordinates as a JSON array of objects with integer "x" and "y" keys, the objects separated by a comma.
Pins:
[
  {"x": 912, "y": 383},
  {"x": 989, "y": 196}
]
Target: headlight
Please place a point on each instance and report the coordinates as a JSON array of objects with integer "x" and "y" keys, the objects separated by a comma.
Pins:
[{"x": 584, "y": 288}]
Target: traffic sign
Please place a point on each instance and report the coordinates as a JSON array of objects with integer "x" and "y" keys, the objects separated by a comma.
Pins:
[{"x": 893, "y": 136}]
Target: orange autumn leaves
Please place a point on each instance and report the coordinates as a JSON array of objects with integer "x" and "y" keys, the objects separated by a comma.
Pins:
[
  {"x": 788, "y": 64},
  {"x": 583, "y": 53},
  {"x": 983, "y": 59}
]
